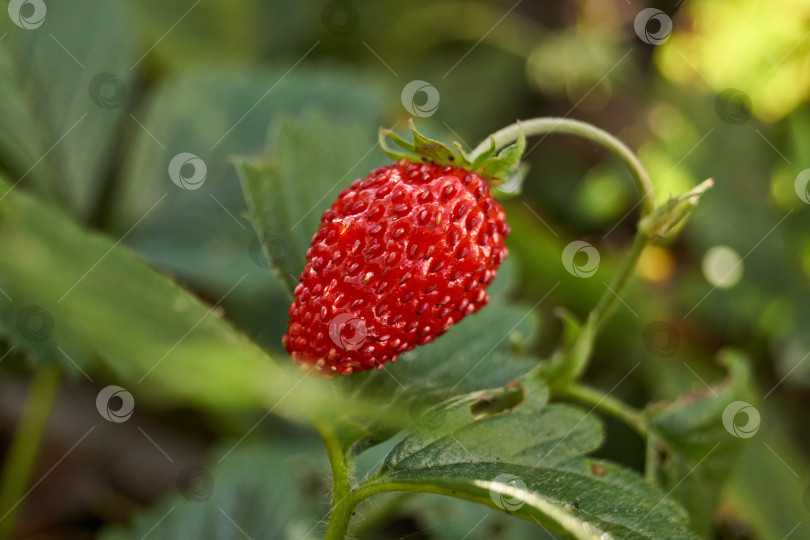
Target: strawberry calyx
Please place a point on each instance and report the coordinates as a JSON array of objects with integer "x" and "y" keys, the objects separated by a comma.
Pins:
[{"x": 498, "y": 168}]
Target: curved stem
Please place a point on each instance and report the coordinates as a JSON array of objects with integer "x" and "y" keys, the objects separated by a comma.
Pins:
[
  {"x": 609, "y": 405},
  {"x": 22, "y": 455},
  {"x": 542, "y": 126},
  {"x": 575, "y": 363},
  {"x": 338, "y": 527}
]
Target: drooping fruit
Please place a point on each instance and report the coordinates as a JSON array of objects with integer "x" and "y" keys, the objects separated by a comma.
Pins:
[{"x": 400, "y": 256}]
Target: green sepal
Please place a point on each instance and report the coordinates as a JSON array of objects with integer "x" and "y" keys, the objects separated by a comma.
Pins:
[
  {"x": 512, "y": 184},
  {"x": 394, "y": 154},
  {"x": 499, "y": 169},
  {"x": 506, "y": 160},
  {"x": 486, "y": 154},
  {"x": 670, "y": 216},
  {"x": 435, "y": 151}
]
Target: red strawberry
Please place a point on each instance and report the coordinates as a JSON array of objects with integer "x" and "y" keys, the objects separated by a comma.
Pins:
[{"x": 399, "y": 257}]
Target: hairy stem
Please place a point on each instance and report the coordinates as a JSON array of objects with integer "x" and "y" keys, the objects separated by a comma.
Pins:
[
  {"x": 22, "y": 455},
  {"x": 342, "y": 505}
]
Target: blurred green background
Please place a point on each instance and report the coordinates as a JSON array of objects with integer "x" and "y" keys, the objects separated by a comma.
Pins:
[{"x": 100, "y": 98}]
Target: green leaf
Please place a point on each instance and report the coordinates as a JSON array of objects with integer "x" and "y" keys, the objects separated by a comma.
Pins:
[
  {"x": 65, "y": 87},
  {"x": 690, "y": 450},
  {"x": 96, "y": 299},
  {"x": 258, "y": 491},
  {"x": 191, "y": 235},
  {"x": 288, "y": 192},
  {"x": 201, "y": 29},
  {"x": 446, "y": 517},
  {"x": 78, "y": 298},
  {"x": 537, "y": 474},
  {"x": 781, "y": 461},
  {"x": 262, "y": 184}
]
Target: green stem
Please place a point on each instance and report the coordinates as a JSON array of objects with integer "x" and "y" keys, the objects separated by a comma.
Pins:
[
  {"x": 384, "y": 484},
  {"x": 542, "y": 126},
  {"x": 22, "y": 455},
  {"x": 342, "y": 506},
  {"x": 609, "y": 405},
  {"x": 609, "y": 300},
  {"x": 571, "y": 368},
  {"x": 338, "y": 522}
]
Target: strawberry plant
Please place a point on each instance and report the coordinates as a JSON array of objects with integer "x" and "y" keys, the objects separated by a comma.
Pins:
[
  {"x": 231, "y": 307},
  {"x": 471, "y": 414},
  {"x": 390, "y": 269}
]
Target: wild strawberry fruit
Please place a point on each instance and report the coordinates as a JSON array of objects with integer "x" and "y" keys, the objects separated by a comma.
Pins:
[{"x": 400, "y": 256}]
